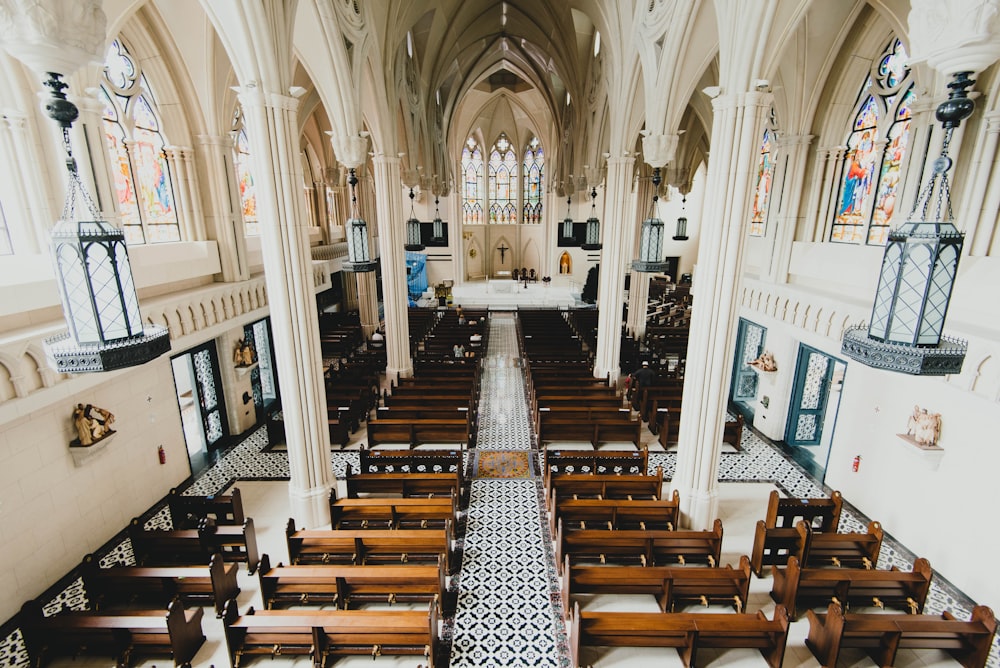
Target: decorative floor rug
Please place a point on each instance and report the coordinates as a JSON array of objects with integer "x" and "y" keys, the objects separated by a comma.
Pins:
[{"x": 503, "y": 464}]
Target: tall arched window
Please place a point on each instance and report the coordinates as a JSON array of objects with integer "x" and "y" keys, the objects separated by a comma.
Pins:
[
  {"x": 132, "y": 127},
  {"x": 534, "y": 174},
  {"x": 6, "y": 247},
  {"x": 472, "y": 170},
  {"x": 765, "y": 174},
  {"x": 503, "y": 182},
  {"x": 243, "y": 164},
  {"x": 876, "y": 147}
]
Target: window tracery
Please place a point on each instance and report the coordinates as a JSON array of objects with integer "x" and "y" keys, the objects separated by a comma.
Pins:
[
  {"x": 503, "y": 182},
  {"x": 534, "y": 175},
  {"x": 472, "y": 170},
  {"x": 243, "y": 164},
  {"x": 762, "y": 194}
]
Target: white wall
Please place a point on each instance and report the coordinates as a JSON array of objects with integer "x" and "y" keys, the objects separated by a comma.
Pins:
[{"x": 52, "y": 512}]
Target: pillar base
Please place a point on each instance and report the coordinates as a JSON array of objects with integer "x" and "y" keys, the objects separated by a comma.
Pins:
[
  {"x": 310, "y": 507},
  {"x": 393, "y": 372},
  {"x": 699, "y": 508}
]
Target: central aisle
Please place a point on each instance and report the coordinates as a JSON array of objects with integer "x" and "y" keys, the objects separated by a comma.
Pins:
[{"x": 507, "y": 587}]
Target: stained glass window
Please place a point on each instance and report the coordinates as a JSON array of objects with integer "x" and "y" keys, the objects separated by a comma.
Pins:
[
  {"x": 143, "y": 184},
  {"x": 534, "y": 173},
  {"x": 6, "y": 247},
  {"x": 765, "y": 174},
  {"x": 244, "y": 175},
  {"x": 876, "y": 147},
  {"x": 503, "y": 182},
  {"x": 472, "y": 170}
]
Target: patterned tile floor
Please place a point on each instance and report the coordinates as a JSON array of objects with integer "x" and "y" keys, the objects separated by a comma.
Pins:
[{"x": 508, "y": 604}]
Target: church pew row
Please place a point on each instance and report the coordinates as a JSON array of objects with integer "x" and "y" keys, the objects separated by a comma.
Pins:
[
  {"x": 193, "y": 547},
  {"x": 173, "y": 632},
  {"x": 414, "y": 432},
  {"x": 798, "y": 587},
  {"x": 635, "y": 546},
  {"x": 401, "y": 412},
  {"x": 668, "y": 422},
  {"x": 812, "y": 548},
  {"x": 672, "y": 586},
  {"x": 342, "y": 585},
  {"x": 882, "y": 636},
  {"x": 369, "y": 546},
  {"x": 687, "y": 632},
  {"x": 625, "y": 462},
  {"x": 411, "y": 461},
  {"x": 325, "y": 634},
  {"x": 187, "y": 511},
  {"x": 606, "y": 486},
  {"x": 159, "y": 585},
  {"x": 576, "y": 513},
  {"x": 381, "y": 513},
  {"x": 404, "y": 484},
  {"x": 821, "y": 514},
  {"x": 554, "y": 428}
]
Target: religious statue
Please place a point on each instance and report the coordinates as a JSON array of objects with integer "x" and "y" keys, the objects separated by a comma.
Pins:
[
  {"x": 924, "y": 427},
  {"x": 765, "y": 362},
  {"x": 243, "y": 354},
  {"x": 92, "y": 423}
]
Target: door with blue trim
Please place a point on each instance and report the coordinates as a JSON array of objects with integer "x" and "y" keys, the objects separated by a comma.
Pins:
[
  {"x": 743, "y": 388},
  {"x": 810, "y": 394}
]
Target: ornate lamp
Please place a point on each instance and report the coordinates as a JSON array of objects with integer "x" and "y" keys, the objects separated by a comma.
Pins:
[
  {"x": 651, "y": 237},
  {"x": 438, "y": 225},
  {"x": 681, "y": 233},
  {"x": 593, "y": 239},
  {"x": 918, "y": 271},
  {"x": 413, "y": 229},
  {"x": 358, "y": 253},
  {"x": 99, "y": 300},
  {"x": 567, "y": 225}
]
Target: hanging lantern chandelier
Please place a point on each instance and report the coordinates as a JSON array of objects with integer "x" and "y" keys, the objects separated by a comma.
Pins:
[
  {"x": 650, "y": 259},
  {"x": 593, "y": 238},
  {"x": 358, "y": 253},
  {"x": 567, "y": 224},
  {"x": 437, "y": 231},
  {"x": 98, "y": 294},
  {"x": 918, "y": 272},
  {"x": 681, "y": 233},
  {"x": 413, "y": 229}
]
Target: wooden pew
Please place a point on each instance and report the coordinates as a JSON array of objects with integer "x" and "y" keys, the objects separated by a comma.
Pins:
[
  {"x": 795, "y": 586},
  {"x": 186, "y": 512},
  {"x": 687, "y": 632},
  {"x": 369, "y": 546},
  {"x": 192, "y": 547},
  {"x": 174, "y": 632},
  {"x": 773, "y": 547},
  {"x": 576, "y": 513},
  {"x": 607, "y": 486},
  {"x": 602, "y": 429},
  {"x": 882, "y": 636},
  {"x": 376, "y": 513},
  {"x": 648, "y": 548},
  {"x": 670, "y": 585},
  {"x": 404, "y": 484},
  {"x": 343, "y": 585},
  {"x": 322, "y": 634},
  {"x": 627, "y": 462},
  {"x": 411, "y": 461},
  {"x": 158, "y": 585},
  {"x": 419, "y": 431},
  {"x": 667, "y": 422}
]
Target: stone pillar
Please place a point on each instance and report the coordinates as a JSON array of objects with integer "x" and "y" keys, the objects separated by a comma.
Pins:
[
  {"x": 23, "y": 198},
  {"x": 833, "y": 165},
  {"x": 389, "y": 204},
  {"x": 616, "y": 254},
  {"x": 186, "y": 190},
  {"x": 638, "y": 293},
  {"x": 792, "y": 153},
  {"x": 223, "y": 217},
  {"x": 736, "y": 130},
  {"x": 367, "y": 302},
  {"x": 91, "y": 149},
  {"x": 273, "y": 131},
  {"x": 985, "y": 191}
]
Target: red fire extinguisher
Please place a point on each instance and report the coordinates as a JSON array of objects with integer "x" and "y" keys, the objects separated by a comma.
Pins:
[
  {"x": 857, "y": 463},
  {"x": 162, "y": 454}
]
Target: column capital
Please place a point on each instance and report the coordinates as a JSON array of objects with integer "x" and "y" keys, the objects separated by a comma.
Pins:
[
  {"x": 659, "y": 149},
  {"x": 954, "y": 36},
  {"x": 794, "y": 140},
  {"x": 253, "y": 96},
  {"x": 351, "y": 150},
  {"x": 750, "y": 98},
  {"x": 383, "y": 159},
  {"x": 992, "y": 122},
  {"x": 226, "y": 141}
]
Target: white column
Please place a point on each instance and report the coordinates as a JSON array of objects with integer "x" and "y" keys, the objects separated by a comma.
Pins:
[
  {"x": 638, "y": 293},
  {"x": 367, "y": 300},
  {"x": 222, "y": 217},
  {"x": 736, "y": 130},
  {"x": 617, "y": 240},
  {"x": 272, "y": 121},
  {"x": 28, "y": 218},
  {"x": 90, "y": 149},
  {"x": 834, "y": 164},
  {"x": 792, "y": 153},
  {"x": 186, "y": 191},
  {"x": 389, "y": 204},
  {"x": 984, "y": 191}
]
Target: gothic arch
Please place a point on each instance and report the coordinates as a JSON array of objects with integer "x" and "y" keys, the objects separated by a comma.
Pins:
[{"x": 532, "y": 259}]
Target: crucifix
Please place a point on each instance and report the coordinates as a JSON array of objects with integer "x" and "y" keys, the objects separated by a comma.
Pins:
[{"x": 503, "y": 249}]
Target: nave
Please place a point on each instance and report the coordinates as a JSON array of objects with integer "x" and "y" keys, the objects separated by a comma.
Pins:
[{"x": 508, "y": 607}]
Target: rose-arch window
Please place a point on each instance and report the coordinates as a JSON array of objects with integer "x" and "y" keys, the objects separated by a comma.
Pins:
[
  {"x": 534, "y": 175},
  {"x": 472, "y": 178},
  {"x": 503, "y": 182}
]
